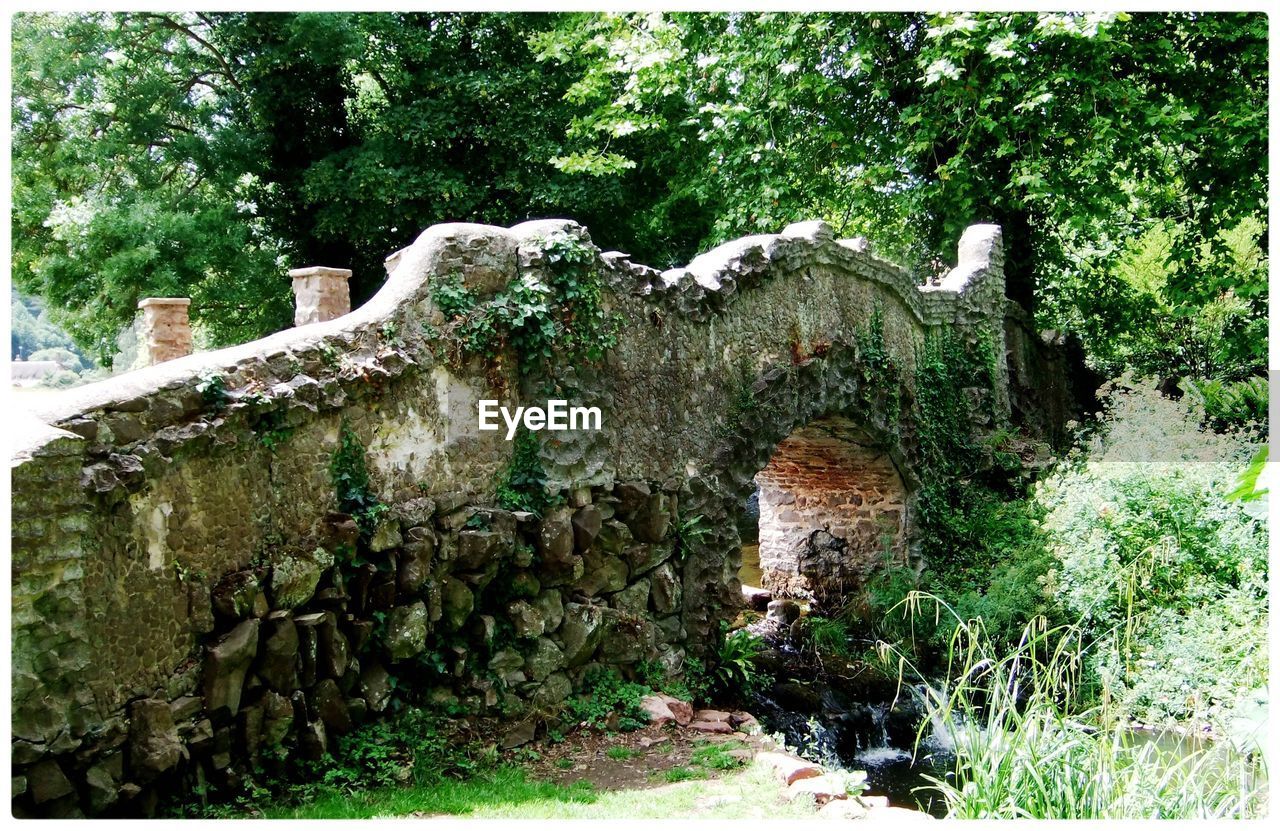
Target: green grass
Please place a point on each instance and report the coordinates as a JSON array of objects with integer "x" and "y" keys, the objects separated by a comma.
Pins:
[
  {"x": 508, "y": 793},
  {"x": 717, "y": 756},
  {"x": 681, "y": 774},
  {"x": 620, "y": 754}
]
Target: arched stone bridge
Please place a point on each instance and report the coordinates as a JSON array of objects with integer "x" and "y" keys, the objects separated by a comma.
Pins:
[{"x": 188, "y": 600}]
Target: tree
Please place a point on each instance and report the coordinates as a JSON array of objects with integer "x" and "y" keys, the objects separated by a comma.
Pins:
[
  {"x": 130, "y": 178},
  {"x": 1072, "y": 131}
]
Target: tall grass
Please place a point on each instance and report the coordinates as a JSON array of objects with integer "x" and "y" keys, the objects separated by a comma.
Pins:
[{"x": 1026, "y": 748}]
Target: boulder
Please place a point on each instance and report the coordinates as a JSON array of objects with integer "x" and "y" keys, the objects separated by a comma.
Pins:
[
  {"x": 521, "y": 734},
  {"x": 375, "y": 686},
  {"x": 651, "y": 521},
  {"x": 154, "y": 746},
  {"x": 543, "y": 659},
  {"x": 414, "y": 564},
  {"x": 477, "y": 549},
  {"x": 386, "y": 536},
  {"x": 334, "y": 653},
  {"x": 784, "y": 611},
  {"x": 102, "y": 782},
  {"x": 457, "y": 603},
  {"x": 757, "y": 599},
  {"x": 711, "y": 726},
  {"x": 309, "y": 647},
  {"x": 327, "y": 701},
  {"x": 627, "y": 638},
  {"x": 294, "y": 578},
  {"x": 633, "y": 600},
  {"x": 551, "y": 607},
  {"x": 789, "y": 769},
  {"x": 526, "y": 620},
  {"x": 225, "y": 666},
  {"x": 47, "y": 782},
  {"x": 553, "y": 691},
  {"x": 555, "y": 537},
  {"x": 604, "y": 575},
  {"x": 581, "y": 632},
  {"x": 277, "y": 720},
  {"x": 821, "y": 789},
  {"x": 407, "y": 631},
  {"x": 681, "y": 711},
  {"x": 614, "y": 538},
  {"x": 234, "y": 596},
  {"x": 644, "y": 557},
  {"x": 631, "y": 496},
  {"x": 665, "y": 590},
  {"x": 657, "y": 710}
]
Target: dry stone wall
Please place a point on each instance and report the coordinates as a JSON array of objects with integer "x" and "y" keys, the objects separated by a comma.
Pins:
[{"x": 190, "y": 599}]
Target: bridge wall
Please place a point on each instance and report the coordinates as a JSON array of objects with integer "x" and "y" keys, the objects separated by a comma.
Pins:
[{"x": 188, "y": 600}]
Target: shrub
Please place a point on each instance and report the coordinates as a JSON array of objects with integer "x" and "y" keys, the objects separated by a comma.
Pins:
[{"x": 1163, "y": 570}]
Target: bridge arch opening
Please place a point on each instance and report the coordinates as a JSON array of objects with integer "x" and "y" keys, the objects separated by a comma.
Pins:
[{"x": 833, "y": 508}]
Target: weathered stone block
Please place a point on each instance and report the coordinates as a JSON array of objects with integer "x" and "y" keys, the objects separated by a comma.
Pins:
[
  {"x": 278, "y": 658},
  {"x": 604, "y": 575},
  {"x": 581, "y": 632},
  {"x": 665, "y": 589},
  {"x": 234, "y": 595},
  {"x": 225, "y": 666},
  {"x": 633, "y": 600},
  {"x": 555, "y": 538},
  {"x": 458, "y": 602},
  {"x": 327, "y": 701},
  {"x": 525, "y": 619},
  {"x": 47, "y": 782},
  {"x": 586, "y": 523},
  {"x": 153, "y": 739},
  {"x": 543, "y": 659},
  {"x": 375, "y": 686},
  {"x": 407, "y": 631}
]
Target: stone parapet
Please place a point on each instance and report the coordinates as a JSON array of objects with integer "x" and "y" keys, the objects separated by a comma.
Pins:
[
  {"x": 320, "y": 294},
  {"x": 166, "y": 328}
]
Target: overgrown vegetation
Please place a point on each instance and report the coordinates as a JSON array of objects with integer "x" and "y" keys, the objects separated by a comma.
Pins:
[
  {"x": 523, "y": 483},
  {"x": 1029, "y": 742},
  {"x": 559, "y": 319},
  {"x": 351, "y": 482},
  {"x": 608, "y": 702}
]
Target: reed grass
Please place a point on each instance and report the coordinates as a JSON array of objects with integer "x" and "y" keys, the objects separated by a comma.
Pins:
[{"x": 1028, "y": 744}]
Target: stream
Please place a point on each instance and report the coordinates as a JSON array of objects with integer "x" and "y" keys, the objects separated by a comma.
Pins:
[
  {"x": 846, "y": 716},
  {"x": 847, "y": 722}
]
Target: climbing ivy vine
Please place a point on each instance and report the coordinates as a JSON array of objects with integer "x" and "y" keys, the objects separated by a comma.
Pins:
[
  {"x": 561, "y": 318},
  {"x": 351, "y": 482}
]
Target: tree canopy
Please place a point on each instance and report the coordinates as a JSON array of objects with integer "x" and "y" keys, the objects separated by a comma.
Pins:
[{"x": 202, "y": 154}]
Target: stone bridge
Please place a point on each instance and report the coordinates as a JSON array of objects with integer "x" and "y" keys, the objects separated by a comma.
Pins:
[{"x": 190, "y": 599}]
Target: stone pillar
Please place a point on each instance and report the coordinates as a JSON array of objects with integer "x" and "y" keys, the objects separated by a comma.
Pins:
[
  {"x": 166, "y": 328},
  {"x": 320, "y": 294}
]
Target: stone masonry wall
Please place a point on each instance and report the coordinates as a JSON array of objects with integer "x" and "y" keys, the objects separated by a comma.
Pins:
[{"x": 188, "y": 598}]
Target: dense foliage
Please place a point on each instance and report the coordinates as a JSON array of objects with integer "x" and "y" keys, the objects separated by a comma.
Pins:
[
  {"x": 201, "y": 154},
  {"x": 1164, "y": 571}
]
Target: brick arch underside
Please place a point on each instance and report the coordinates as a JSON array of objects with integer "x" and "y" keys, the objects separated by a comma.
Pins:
[
  {"x": 833, "y": 509},
  {"x": 838, "y": 385}
]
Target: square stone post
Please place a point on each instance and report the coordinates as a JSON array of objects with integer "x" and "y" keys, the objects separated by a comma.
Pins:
[
  {"x": 320, "y": 293},
  {"x": 166, "y": 328}
]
